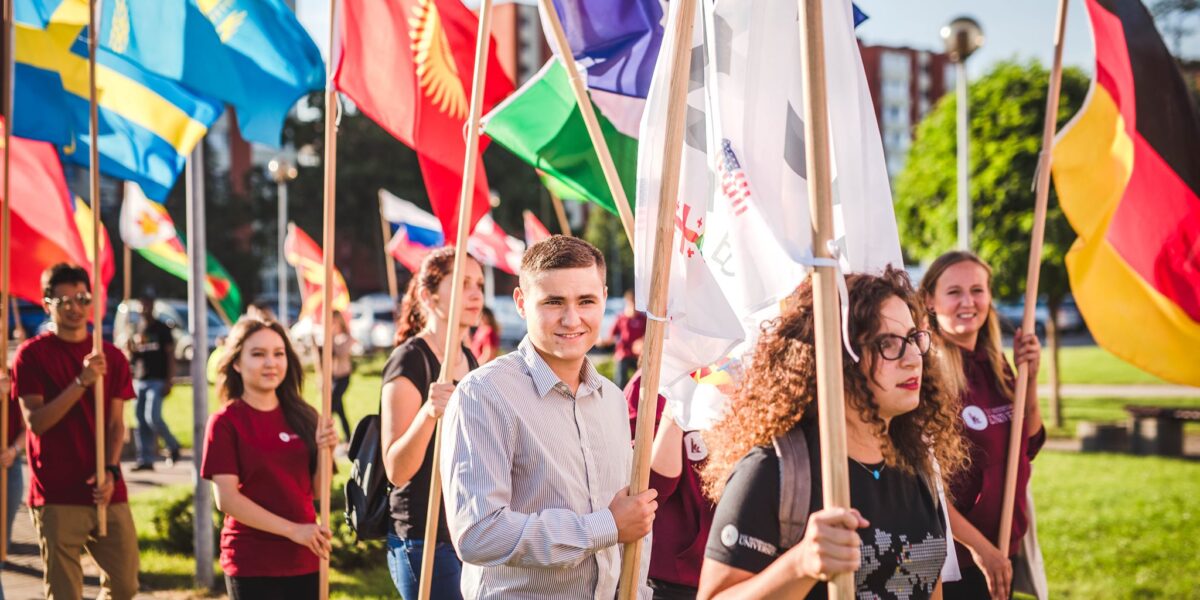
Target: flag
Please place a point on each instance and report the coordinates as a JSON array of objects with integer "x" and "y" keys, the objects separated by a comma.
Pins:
[
  {"x": 83, "y": 224},
  {"x": 407, "y": 252},
  {"x": 1127, "y": 172},
  {"x": 534, "y": 230},
  {"x": 426, "y": 48},
  {"x": 738, "y": 247},
  {"x": 147, "y": 124},
  {"x": 419, "y": 226},
  {"x": 41, "y": 208},
  {"x": 147, "y": 228},
  {"x": 541, "y": 124},
  {"x": 305, "y": 255},
  {"x": 495, "y": 248},
  {"x": 616, "y": 41},
  {"x": 252, "y": 54},
  {"x": 35, "y": 13}
]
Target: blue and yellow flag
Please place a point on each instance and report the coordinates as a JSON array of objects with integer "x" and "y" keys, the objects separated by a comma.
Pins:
[
  {"x": 252, "y": 54},
  {"x": 147, "y": 124},
  {"x": 34, "y": 13}
]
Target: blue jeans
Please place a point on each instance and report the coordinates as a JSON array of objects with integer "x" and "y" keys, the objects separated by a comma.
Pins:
[
  {"x": 16, "y": 491},
  {"x": 150, "y": 424},
  {"x": 404, "y": 563}
]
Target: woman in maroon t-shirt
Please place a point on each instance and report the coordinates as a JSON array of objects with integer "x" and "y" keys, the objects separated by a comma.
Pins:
[
  {"x": 260, "y": 452},
  {"x": 957, "y": 292}
]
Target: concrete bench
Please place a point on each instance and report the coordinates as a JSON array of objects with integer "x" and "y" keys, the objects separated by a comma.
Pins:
[{"x": 1159, "y": 430}]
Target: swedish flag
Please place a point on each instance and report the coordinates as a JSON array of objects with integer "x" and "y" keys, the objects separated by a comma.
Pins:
[
  {"x": 252, "y": 54},
  {"x": 147, "y": 124}
]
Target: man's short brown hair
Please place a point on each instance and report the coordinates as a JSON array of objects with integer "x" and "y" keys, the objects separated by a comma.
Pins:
[{"x": 561, "y": 252}]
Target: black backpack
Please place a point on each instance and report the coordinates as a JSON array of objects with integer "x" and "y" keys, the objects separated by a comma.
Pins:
[{"x": 367, "y": 509}]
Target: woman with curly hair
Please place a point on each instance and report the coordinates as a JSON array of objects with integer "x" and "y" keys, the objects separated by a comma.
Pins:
[
  {"x": 956, "y": 291},
  {"x": 900, "y": 425}
]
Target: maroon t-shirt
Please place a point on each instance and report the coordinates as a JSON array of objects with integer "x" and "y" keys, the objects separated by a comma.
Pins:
[
  {"x": 978, "y": 491},
  {"x": 271, "y": 463},
  {"x": 62, "y": 459},
  {"x": 627, "y": 330},
  {"x": 684, "y": 515}
]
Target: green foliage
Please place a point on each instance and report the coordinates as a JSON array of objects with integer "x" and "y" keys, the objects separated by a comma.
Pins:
[
  {"x": 604, "y": 231},
  {"x": 1007, "y": 108},
  {"x": 174, "y": 521}
]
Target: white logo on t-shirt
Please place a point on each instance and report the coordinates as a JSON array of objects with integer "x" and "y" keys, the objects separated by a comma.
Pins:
[
  {"x": 693, "y": 443},
  {"x": 286, "y": 437},
  {"x": 729, "y": 536},
  {"x": 975, "y": 418}
]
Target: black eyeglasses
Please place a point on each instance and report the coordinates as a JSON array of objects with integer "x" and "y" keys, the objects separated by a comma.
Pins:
[
  {"x": 893, "y": 347},
  {"x": 81, "y": 299}
]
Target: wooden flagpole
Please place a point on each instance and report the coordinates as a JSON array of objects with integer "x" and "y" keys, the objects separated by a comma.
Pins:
[
  {"x": 127, "y": 265},
  {"x": 660, "y": 277},
  {"x": 325, "y": 455},
  {"x": 579, "y": 88},
  {"x": 563, "y": 224},
  {"x": 1031, "y": 282},
  {"x": 453, "y": 341},
  {"x": 389, "y": 262},
  {"x": 5, "y": 261},
  {"x": 98, "y": 291},
  {"x": 831, "y": 409}
]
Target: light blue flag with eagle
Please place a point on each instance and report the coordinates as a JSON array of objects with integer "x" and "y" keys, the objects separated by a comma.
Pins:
[
  {"x": 252, "y": 54},
  {"x": 147, "y": 124},
  {"x": 34, "y": 13}
]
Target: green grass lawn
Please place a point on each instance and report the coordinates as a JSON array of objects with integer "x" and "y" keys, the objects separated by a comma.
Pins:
[{"x": 1094, "y": 365}]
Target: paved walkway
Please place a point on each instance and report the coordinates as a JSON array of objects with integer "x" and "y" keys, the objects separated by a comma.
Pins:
[{"x": 22, "y": 577}]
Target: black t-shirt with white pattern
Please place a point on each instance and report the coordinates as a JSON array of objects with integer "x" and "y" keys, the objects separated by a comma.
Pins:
[{"x": 902, "y": 549}]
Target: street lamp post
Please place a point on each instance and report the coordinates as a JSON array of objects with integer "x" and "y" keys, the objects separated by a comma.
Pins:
[
  {"x": 282, "y": 172},
  {"x": 962, "y": 37}
]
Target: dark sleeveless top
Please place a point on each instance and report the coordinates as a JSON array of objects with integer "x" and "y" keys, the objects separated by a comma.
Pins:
[{"x": 409, "y": 503}]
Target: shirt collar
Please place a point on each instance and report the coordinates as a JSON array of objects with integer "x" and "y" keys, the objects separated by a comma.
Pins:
[{"x": 544, "y": 378}]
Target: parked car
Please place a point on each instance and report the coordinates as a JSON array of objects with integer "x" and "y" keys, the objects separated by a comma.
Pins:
[
  {"x": 174, "y": 314},
  {"x": 293, "y": 306},
  {"x": 1069, "y": 319},
  {"x": 373, "y": 322},
  {"x": 512, "y": 326}
]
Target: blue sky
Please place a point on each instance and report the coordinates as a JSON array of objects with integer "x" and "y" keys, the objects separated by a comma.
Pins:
[{"x": 1012, "y": 28}]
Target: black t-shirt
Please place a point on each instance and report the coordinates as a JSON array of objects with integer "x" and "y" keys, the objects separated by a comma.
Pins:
[
  {"x": 409, "y": 503},
  {"x": 902, "y": 550},
  {"x": 149, "y": 346}
]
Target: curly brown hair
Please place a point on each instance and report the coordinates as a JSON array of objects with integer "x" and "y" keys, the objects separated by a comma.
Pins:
[{"x": 779, "y": 388}]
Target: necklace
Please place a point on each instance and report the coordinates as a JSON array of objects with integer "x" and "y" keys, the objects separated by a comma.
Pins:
[{"x": 873, "y": 472}]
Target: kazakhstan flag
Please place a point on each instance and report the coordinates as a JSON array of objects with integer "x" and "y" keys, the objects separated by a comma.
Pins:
[
  {"x": 35, "y": 13},
  {"x": 252, "y": 54},
  {"x": 147, "y": 124}
]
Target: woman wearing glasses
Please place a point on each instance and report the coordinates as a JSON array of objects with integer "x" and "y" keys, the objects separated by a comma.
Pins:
[
  {"x": 956, "y": 292},
  {"x": 771, "y": 536}
]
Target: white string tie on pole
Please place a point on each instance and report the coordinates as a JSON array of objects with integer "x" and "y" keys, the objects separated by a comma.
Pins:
[{"x": 834, "y": 261}]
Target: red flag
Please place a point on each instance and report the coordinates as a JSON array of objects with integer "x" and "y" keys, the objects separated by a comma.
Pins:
[
  {"x": 409, "y": 253},
  {"x": 494, "y": 248},
  {"x": 43, "y": 220},
  {"x": 534, "y": 230},
  {"x": 305, "y": 255},
  {"x": 407, "y": 64}
]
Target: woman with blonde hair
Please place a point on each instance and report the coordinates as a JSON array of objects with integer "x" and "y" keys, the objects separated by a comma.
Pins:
[
  {"x": 260, "y": 453},
  {"x": 411, "y": 403},
  {"x": 771, "y": 536},
  {"x": 956, "y": 292}
]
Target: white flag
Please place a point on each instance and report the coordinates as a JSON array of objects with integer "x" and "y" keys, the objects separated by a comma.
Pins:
[
  {"x": 143, "y": 221},
  {"x": 742, "y": 228}
]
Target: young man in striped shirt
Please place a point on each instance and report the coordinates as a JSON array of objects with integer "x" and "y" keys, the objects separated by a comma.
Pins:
[{"x": 537, "y": 453}]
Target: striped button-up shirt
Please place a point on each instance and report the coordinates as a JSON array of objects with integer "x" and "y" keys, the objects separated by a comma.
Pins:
[{"x": 528, "y": 472}]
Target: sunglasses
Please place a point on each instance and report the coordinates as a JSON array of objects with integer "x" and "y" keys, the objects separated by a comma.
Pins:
[
  {"x": 81, "y": 299},
  {"x": 893, "y": 347}
]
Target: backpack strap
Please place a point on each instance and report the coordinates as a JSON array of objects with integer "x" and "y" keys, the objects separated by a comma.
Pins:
[{"x": 795, "y": 485}]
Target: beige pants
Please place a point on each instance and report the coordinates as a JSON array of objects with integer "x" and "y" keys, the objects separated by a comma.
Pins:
[{"x": 65, "y": 531}]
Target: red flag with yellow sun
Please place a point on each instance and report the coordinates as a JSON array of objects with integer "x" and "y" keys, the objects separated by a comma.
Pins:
[{"x": 407, "y": 64}]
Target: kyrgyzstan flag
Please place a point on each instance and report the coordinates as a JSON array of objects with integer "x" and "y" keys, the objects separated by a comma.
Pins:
[
  {"x": 1127, "y": 172},
  {"x": 407, "y": 64},
  {"x": 43, "y": 219}
]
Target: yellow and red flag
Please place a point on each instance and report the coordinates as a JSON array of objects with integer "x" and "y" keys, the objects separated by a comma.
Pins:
[
  {"x": 1127, "y": 172},
  {"x": 305, "y": 255}
]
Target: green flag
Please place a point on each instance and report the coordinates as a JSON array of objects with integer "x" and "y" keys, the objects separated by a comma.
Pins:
[
  {"x": 171, "y": 256},
  {"x": 542, "y": 125}
]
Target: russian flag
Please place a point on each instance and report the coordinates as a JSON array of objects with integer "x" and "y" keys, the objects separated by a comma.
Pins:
[{"x": 420, "y": 227}]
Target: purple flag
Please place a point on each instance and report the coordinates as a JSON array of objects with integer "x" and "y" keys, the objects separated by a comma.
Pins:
[{"x": 617, "y": 40}]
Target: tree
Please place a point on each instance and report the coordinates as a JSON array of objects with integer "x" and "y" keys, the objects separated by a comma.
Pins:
[
  {"x": 1176, "y": 19},
  {"x": 1007, "y": 108}
]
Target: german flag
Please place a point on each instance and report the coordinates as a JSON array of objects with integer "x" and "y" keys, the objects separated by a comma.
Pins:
[{"x": 1127, "y": 171}]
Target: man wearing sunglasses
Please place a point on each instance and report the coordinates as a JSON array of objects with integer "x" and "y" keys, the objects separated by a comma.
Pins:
[{"x": 53, "y": 375}]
